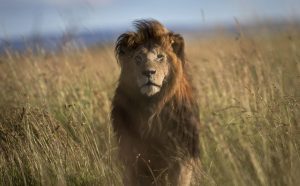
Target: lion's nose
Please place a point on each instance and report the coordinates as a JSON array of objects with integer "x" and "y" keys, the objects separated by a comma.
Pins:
[{"x": 149, "y": 72}]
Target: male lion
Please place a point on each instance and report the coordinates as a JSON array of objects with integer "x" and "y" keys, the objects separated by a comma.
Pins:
[{"x": 154, "y": 112}]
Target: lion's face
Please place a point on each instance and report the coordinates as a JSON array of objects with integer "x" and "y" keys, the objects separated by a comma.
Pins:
[
  {"x": 151, "y": 60},
  {"x": 150, "y": 69}
]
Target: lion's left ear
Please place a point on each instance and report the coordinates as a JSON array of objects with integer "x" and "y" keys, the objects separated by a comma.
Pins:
[
  {"x": 177, "y": 43},
  {"x": 125, "y": 43}
]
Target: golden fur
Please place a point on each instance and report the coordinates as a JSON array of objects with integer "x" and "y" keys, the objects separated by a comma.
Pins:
[{"x": 156, "y": 124}]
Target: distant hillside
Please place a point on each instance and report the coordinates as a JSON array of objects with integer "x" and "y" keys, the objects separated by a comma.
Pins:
[{"x": 53, "y": 42}]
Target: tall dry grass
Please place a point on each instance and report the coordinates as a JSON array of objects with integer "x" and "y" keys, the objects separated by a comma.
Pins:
[{"x": 54, "y": 113}]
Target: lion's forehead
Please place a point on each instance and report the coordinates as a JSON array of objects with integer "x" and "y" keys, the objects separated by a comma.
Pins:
[{"x": 150, "y": 48}]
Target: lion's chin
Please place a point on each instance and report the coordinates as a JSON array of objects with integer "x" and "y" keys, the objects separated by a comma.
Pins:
[{"x": 150, "y": 90}]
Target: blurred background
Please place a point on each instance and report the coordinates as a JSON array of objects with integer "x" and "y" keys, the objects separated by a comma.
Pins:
[
  {"x": 87, "y": 22},
  {"x": 58, "y": 74}
]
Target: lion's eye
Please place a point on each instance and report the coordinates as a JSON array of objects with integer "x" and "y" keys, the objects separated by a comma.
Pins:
[
  {"x": 160, "y": 57},
  {"x": 138, "y": 59}
]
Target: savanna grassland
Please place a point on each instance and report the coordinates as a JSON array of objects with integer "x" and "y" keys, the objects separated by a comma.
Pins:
[{"x": 55, "y": 126}]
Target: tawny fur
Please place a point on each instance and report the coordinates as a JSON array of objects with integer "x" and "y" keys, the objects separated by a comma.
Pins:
[{"x": 158, "y": 136}]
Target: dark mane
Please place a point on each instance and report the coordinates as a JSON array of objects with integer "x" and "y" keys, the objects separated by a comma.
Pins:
[{"x": 147, "y": 30}]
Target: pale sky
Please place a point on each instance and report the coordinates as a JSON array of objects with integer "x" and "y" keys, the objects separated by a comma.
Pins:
[{"x": 24, "y": 17}]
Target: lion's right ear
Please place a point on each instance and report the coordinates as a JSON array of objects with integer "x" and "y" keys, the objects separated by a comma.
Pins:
[
  {"x": 177, "y": 43},
  {"x": 125, "y": 43}
]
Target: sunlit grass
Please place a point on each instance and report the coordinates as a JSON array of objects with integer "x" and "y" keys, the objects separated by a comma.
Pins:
[{"x": 55, "y": 127}]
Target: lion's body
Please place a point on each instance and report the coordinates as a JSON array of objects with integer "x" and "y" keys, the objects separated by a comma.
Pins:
[{"x": 156, "y": 123}]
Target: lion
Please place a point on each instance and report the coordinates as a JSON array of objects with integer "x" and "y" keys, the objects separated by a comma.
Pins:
[{"x": 155, "y": 114}]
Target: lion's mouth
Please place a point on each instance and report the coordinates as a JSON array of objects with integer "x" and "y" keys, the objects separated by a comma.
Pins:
[
  {"x": 150, "y": 88},
  {"x": 150, "y": 83}
]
